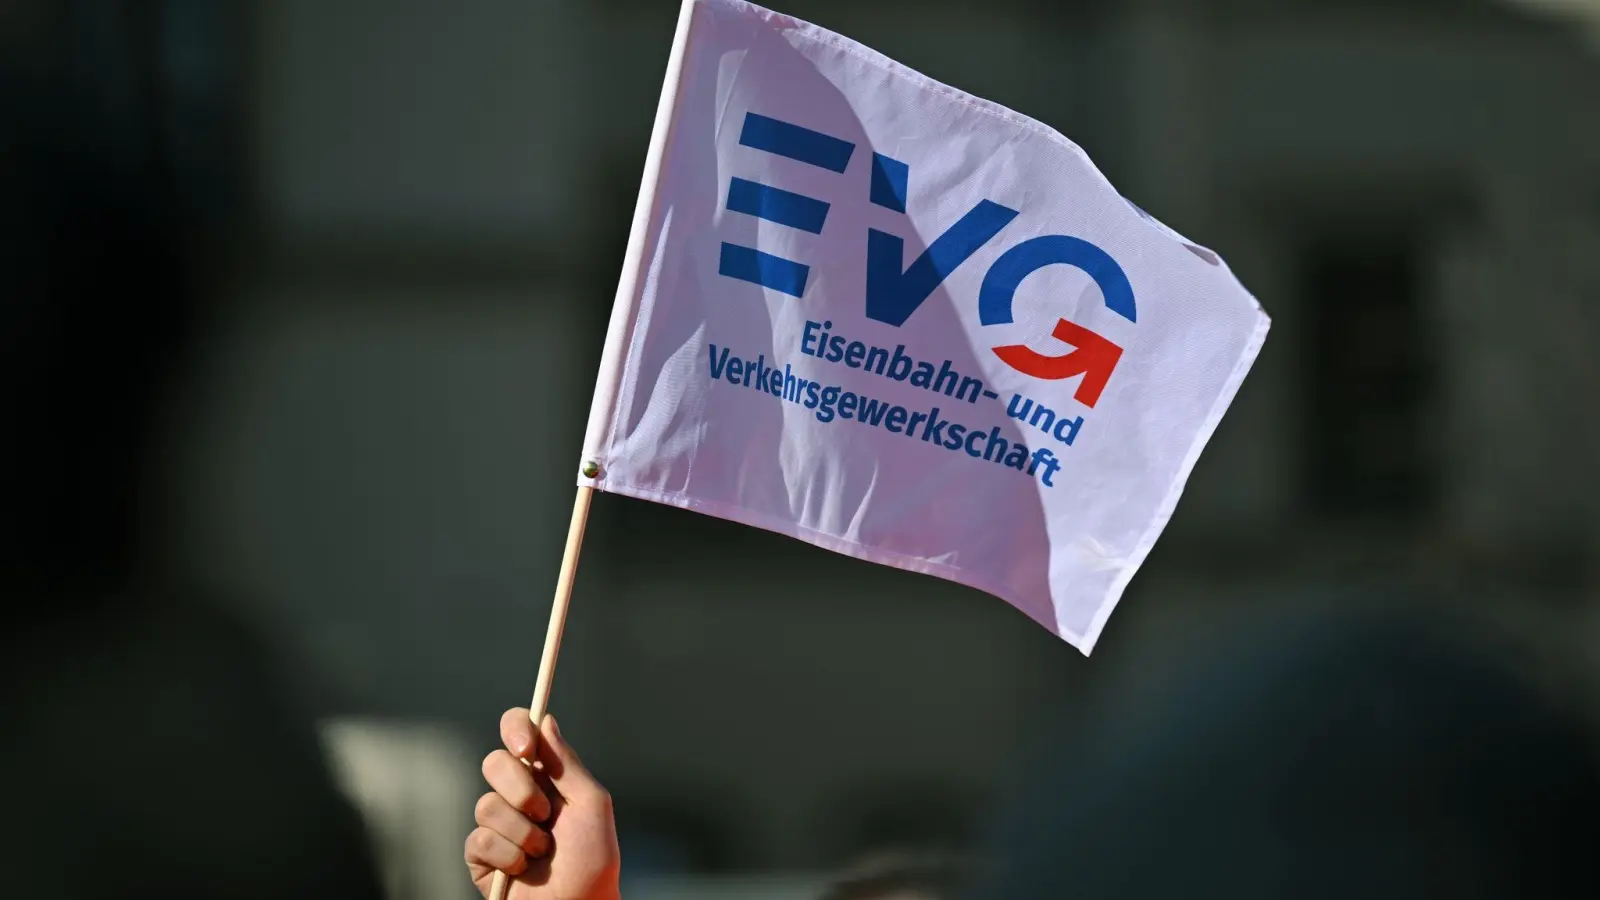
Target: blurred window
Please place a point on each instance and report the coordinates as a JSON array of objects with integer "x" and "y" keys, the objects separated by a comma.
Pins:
[{"x": 1370, "y": 378}]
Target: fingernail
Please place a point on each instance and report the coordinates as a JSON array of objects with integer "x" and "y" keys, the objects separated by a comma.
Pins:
[{"x": 555, "y": 727}]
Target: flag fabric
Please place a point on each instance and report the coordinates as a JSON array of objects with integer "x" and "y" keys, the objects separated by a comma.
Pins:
[{"x": 892, "y": 319}]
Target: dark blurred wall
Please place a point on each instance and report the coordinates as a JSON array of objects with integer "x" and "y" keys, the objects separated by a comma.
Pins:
[{"x": 149, "y": 749}]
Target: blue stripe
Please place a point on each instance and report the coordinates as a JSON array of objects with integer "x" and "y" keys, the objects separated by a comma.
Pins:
[
  {"x": 889, "y": 177},
  {"x": 774, "y": 136},
  {"x": 776, "y": 205},
  {"x": 749, "y": 264}
]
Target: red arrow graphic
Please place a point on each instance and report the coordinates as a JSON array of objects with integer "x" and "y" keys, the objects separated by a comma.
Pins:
[{"x": 1093, "y": 358}]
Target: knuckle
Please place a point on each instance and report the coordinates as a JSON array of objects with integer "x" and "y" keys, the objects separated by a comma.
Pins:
[
  {"x": 535, "y": 843},
  {"x": 539, "y": 805},
  {"x": 502, "y": 771},
  {"x": 509, "y": 778},
  {"x": 527, "y": 801},
  {"x": 514, "y": 721},
  {"x": 484, "y": 808},
  {"x": 479, "y": 844},
  {"x": 490, "y": 764}
]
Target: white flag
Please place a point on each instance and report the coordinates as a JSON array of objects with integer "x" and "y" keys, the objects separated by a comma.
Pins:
[{"x": 889, "y": 318}]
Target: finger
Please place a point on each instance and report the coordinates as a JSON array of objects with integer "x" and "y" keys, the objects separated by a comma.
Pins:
[
  {"x": 517, "y": 732},
  {"x": 488, "y": 850},
  {"x": 495, "y": 814},
  {"x": 512, "y": 780},
  {"x": 565, "y": 770}
]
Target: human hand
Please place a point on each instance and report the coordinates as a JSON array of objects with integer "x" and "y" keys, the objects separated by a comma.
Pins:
[{"x": 549, "y": 827}]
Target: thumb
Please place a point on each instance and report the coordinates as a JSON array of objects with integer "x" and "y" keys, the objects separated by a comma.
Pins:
[{"x": 565, "y": 771}]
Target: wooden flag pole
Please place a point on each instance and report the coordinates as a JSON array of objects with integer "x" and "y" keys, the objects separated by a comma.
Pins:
[
  {"x": 607, "y": 380},
  {"x": 558, "y": 610},
  {"x": 552, "y": 638}
]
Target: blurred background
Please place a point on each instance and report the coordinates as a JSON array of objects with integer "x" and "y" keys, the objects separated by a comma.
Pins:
[{"x": 414, "y": 212}]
